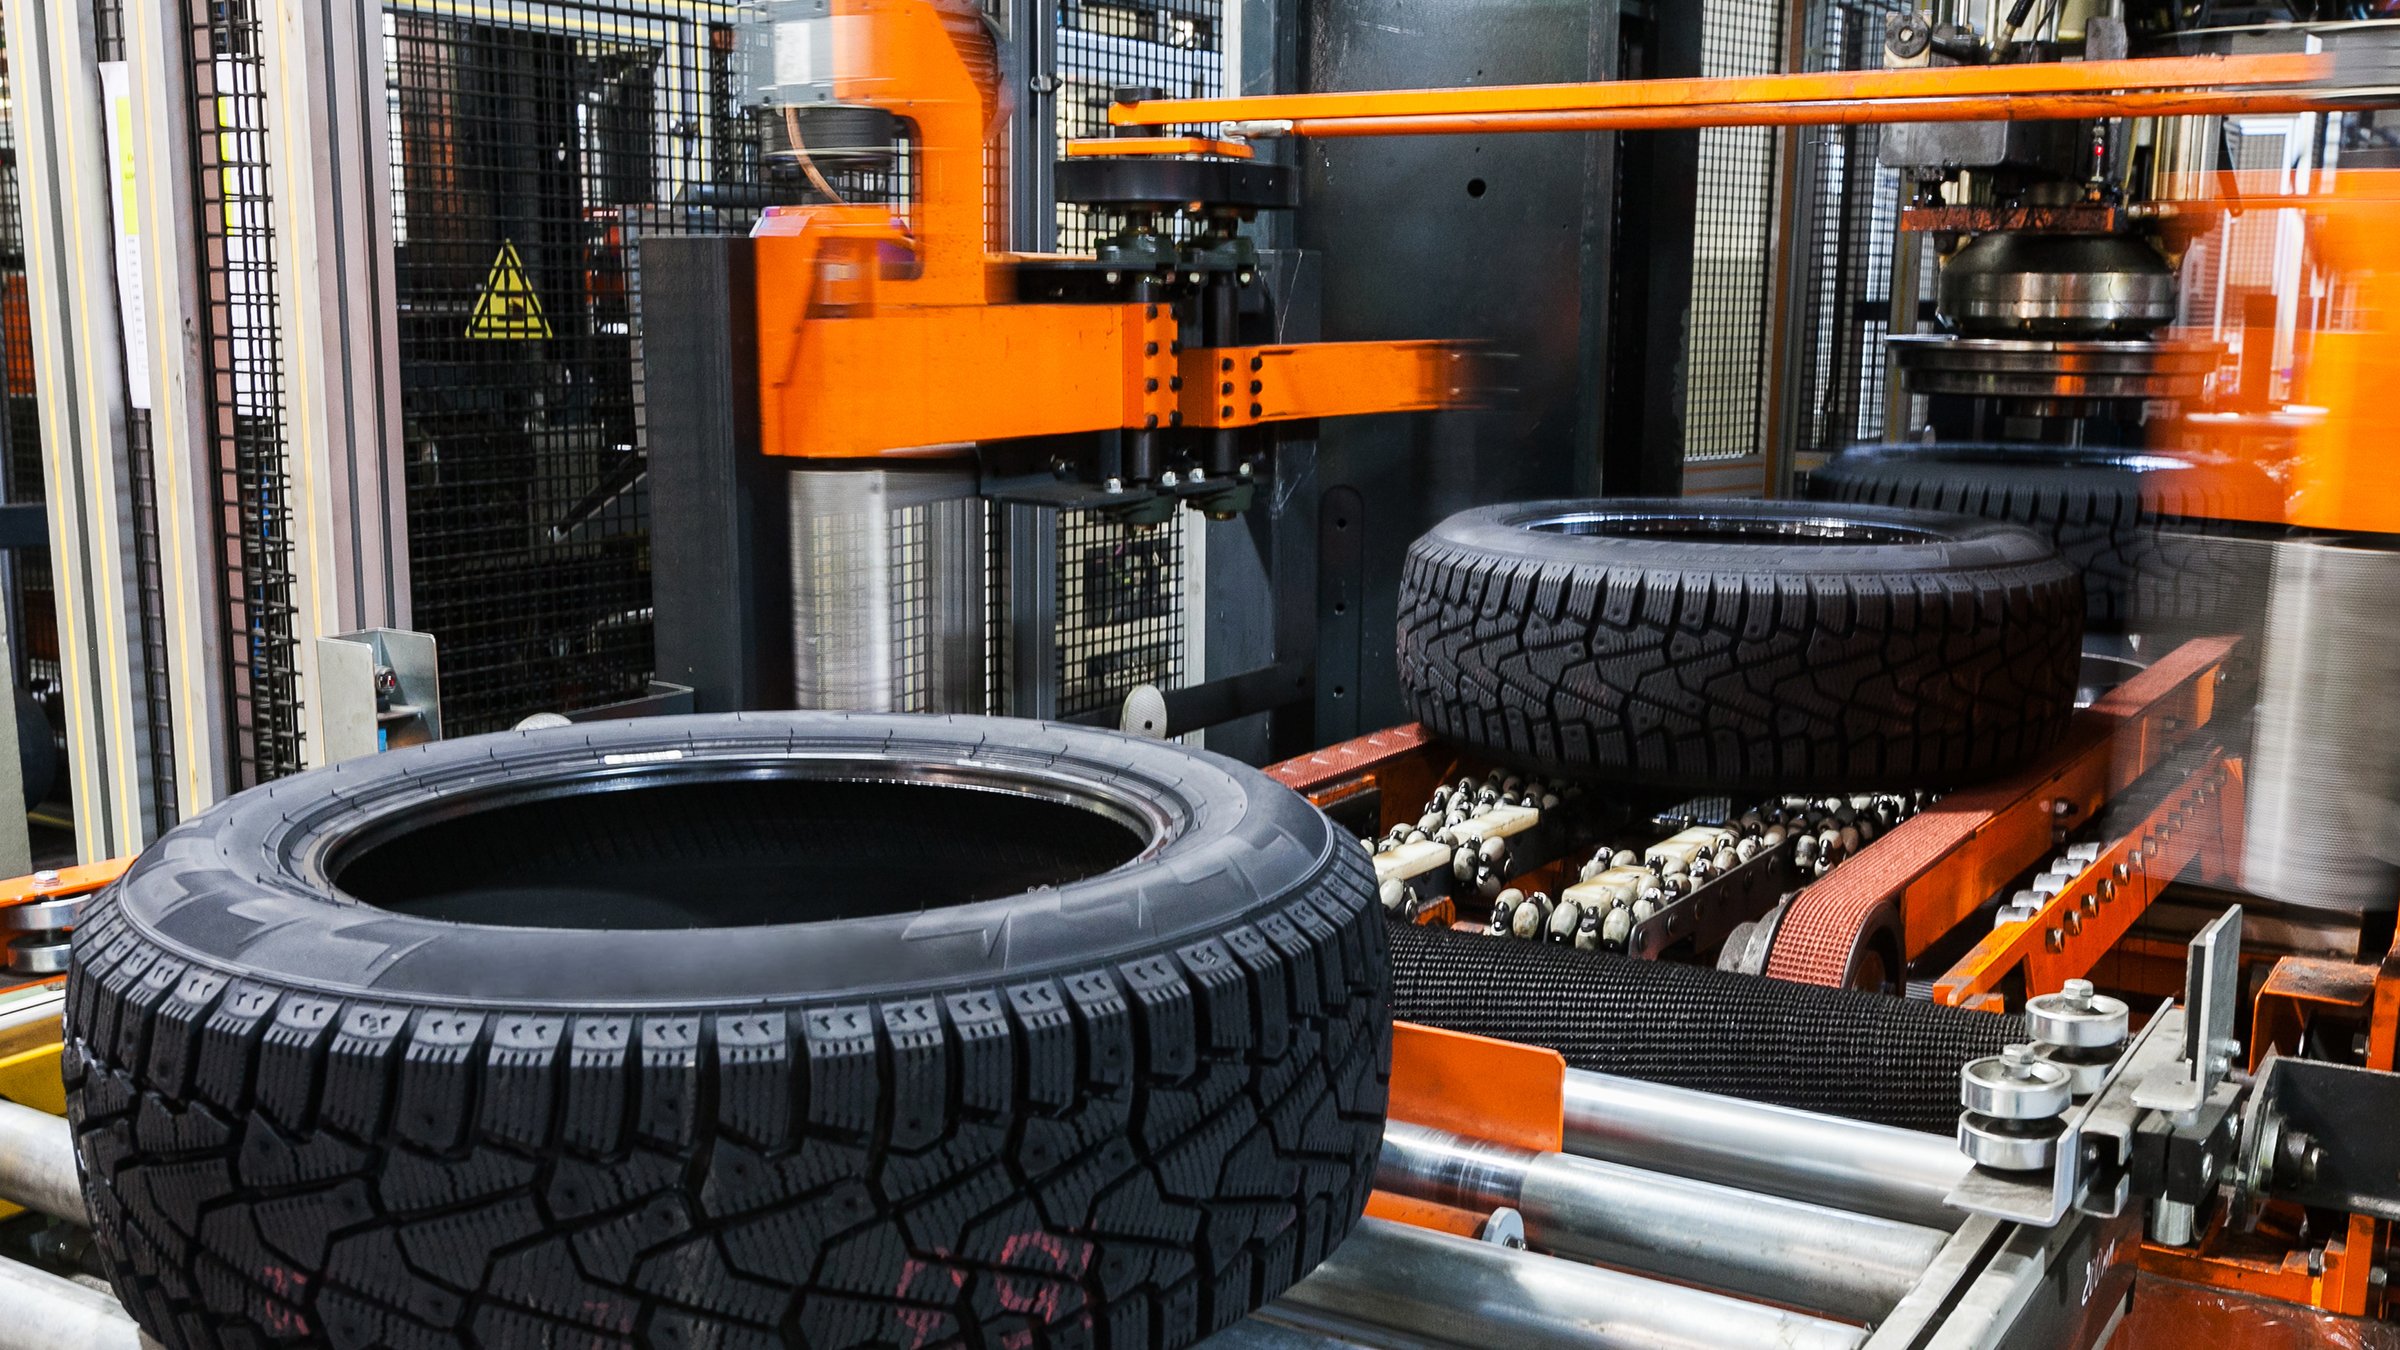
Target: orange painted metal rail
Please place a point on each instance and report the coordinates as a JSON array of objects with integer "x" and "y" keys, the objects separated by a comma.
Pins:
[
  {"x": 1976, "y": 108},
  {"x": 2214, "y": 73},
  {"x": 2198, "y": 822},
  {"x": 1113, "y": 147},
  {"x": 1941, "y": 865}
]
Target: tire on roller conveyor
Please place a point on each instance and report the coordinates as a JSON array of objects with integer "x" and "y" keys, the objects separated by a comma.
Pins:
[
  {"x": 2144, "y": 529},
  {"x": 1840, "y": 1052},
  {"x": 791, "y": 1029},
  {"x": 1741, "y": 645}
]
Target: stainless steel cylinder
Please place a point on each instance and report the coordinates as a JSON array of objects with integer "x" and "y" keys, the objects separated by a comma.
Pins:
[
  {"x": 2323, "y": 827},
  {"x": 886, "y": 590},
  {"x": 1394, "y": 1287},
  {"x": 1826, "y": 1160},
  {"x": 41, "y": 1311},
  {"x": 37, "y": 1164},
  {"x": 1740, "y": 1242}
]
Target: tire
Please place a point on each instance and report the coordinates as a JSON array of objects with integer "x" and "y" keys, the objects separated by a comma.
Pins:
[
  {"x": 2144, "y": 530},
  {"x": 1084, "y": 1042},
  {"x": 1732, "y": 645}
]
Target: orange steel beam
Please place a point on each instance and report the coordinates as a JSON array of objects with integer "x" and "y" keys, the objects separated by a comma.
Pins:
[
  {"x": 2064, "y": 77},
  {"x": 1942, "y": 864},
  {"x": 1245, "y": 386},
  {"x": 1979, "y": 108},
  {"x": 1113, "y": 147},
  {"x": 2069, "y": 935}
]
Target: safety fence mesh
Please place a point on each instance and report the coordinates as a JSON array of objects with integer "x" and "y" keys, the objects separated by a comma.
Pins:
[
  {"x": 1732, "y": 271},
  {"x": 1844, "y": 285},
  {"x": 534, "y": 147},
  {"x": 242, "y": 360},
  {"x": 1174, "y": 46}
]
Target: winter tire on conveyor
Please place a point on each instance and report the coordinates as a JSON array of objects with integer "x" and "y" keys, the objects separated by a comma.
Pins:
[
  {"x": 774, "y": 1030},
  {"x": 1741, "y": 645},
  {"x": 2144, "y": 529}
]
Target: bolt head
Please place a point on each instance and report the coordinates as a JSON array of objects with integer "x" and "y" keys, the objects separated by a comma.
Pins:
[
  {"x": 45, "y": 877},
  {"x": 2055, "y": 940},
  {"x": 1168, "y": 479},
  {"x": 2078, "y": 992}
]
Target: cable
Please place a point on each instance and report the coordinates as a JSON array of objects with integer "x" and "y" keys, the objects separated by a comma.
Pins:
[{"x": 808, "y": 166}]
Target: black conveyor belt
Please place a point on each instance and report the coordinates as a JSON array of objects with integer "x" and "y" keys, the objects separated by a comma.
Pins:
[{"x": 1836, "y": 1051}]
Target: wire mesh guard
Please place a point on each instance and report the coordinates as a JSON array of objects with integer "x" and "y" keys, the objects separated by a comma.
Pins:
[
  {"x": 243, "y": 360},
  {"x": 1120, "y": 609},
  {"x": 32, "y": 617},
  {"x": 533, "y": 147},
  {"x": 1176, "y": 46},
  {"x": 1844, "y": 279},
  {"x": 1731, "y": 270}
]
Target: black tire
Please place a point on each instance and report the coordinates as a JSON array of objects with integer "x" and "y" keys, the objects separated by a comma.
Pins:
[
  {"x": 1736, "y": 645},
  {"x": 1128, "y": 1087},
  {"x": 2144, "y": 529}
]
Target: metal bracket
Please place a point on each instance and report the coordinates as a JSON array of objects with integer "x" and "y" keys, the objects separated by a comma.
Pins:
[
  {"x": 2212, "y": 980},
  {"x": 2093, "y": 1145},
  {"x": 2320, "y": 1134}
]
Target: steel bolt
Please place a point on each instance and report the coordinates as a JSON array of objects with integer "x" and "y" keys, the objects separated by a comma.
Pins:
[
  {"x": 2075, "y": 921},
  {"x": 2078, "y": 994},
  {"x": 1168, "y": 479},
  {"x": 2055, "y": 940},
  {"x": 45, "y": 878}
]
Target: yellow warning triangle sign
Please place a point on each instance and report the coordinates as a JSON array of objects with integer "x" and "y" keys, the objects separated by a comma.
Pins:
[{"x": 507, "y": 307}]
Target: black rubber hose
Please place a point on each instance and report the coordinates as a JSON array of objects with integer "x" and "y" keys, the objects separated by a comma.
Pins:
[{"x": 1865, "y": 1056}]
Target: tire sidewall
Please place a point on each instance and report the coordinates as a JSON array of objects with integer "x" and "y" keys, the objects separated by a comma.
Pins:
[{"x": 245, "y": 886}]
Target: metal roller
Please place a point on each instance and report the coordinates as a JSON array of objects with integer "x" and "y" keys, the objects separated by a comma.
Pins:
[
  {"x": 47, "y": 1312},
  {"x": 2077, "y": 1018},
  {"x": 44, "y": 916},
  {"x": 1799, "y": 1155},
  {"x": 37, "y": 1164},
  {"x": 1849, "y": 1265},
  {"x": 2013, "y": 1085},
  {"x": 1400, "y": 1288},
  {"x": 39, "y": 954}
]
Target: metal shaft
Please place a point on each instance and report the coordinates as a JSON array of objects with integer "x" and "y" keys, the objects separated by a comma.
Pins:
[
  {"x": 1850, "y": 1265},
  {"x": 37, "y": 1164},
  {"x": 46, "y": 1312},
  {"x": 1826, "y": 1160},
  {"x": 1395, "y": 1287}
]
